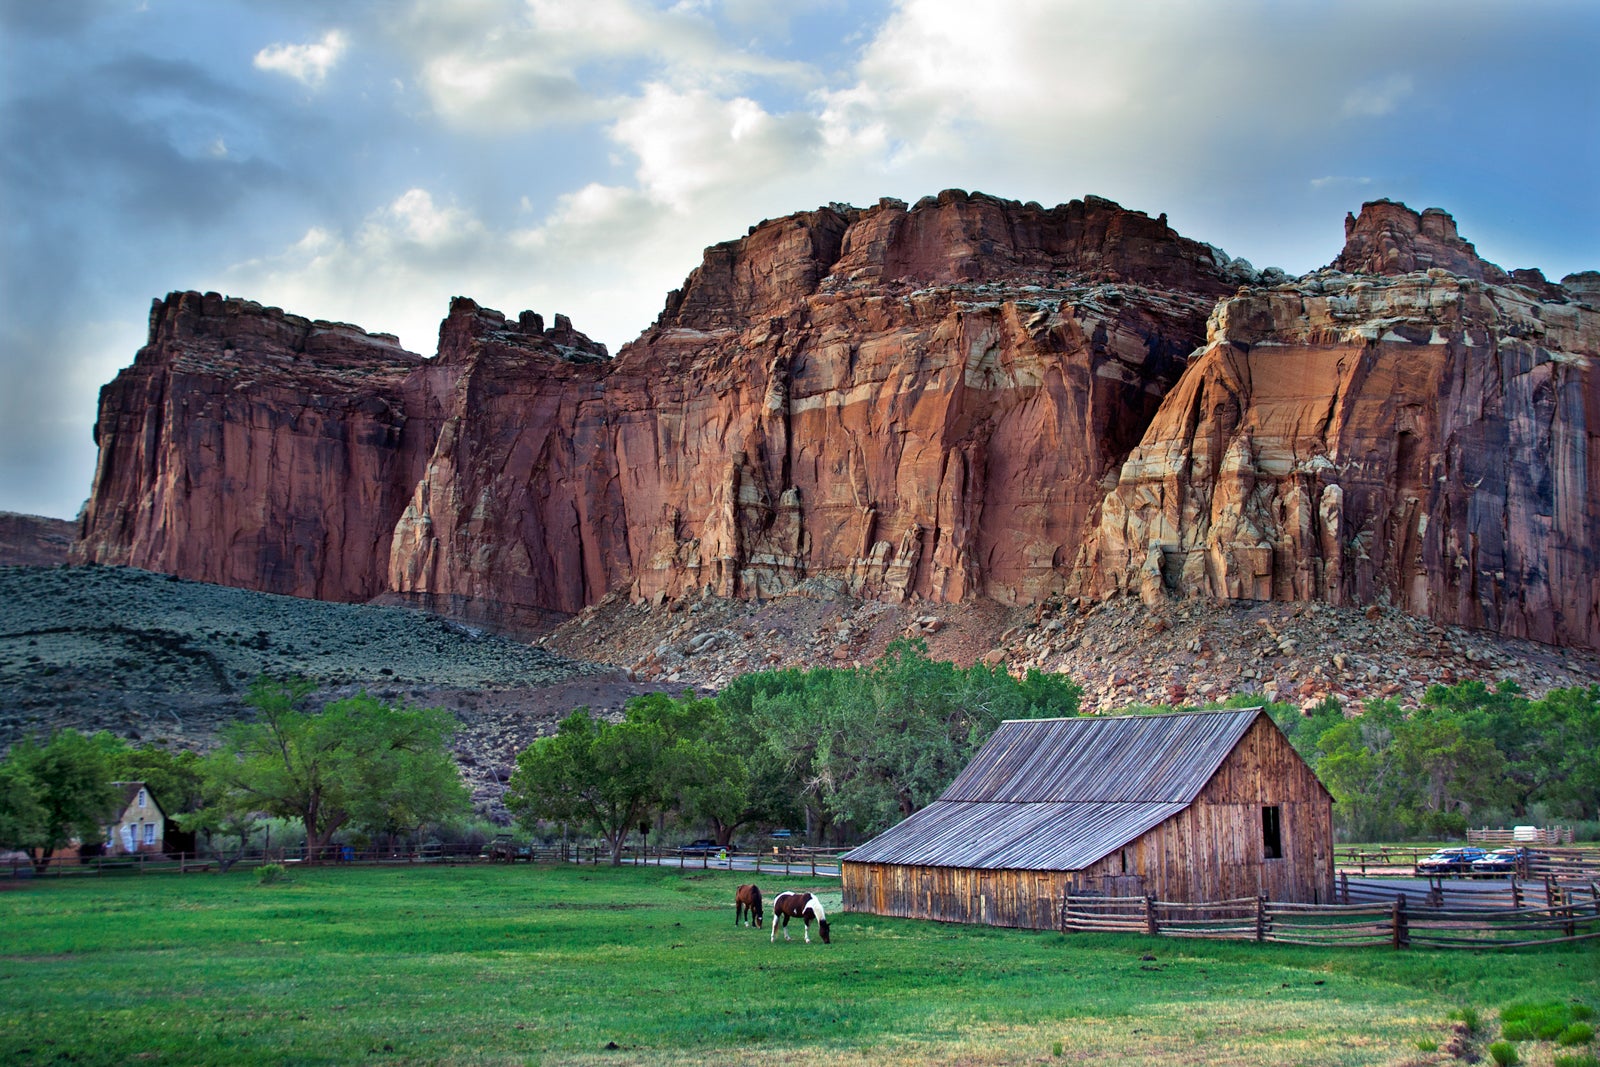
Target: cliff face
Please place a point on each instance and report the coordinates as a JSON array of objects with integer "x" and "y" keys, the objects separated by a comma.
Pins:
[
  {"x": 933, "y": 400},
  {"x": 253, "y": 448},
  {"x": 1425, "y": 433},
  {"x": 915, "y": 400}
]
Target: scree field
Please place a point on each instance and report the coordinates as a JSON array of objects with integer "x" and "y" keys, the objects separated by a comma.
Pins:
[{"x": 636, "y": 965}]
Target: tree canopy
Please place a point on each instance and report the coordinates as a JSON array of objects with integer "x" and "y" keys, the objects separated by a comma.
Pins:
[
  {"x": 358, "y": 763},
  {"x": 55, "y": 792},
  {"x": 864, "y": 747}
]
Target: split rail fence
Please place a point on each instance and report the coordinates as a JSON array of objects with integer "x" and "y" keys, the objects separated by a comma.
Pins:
[{"x": 1572, "y": 914}]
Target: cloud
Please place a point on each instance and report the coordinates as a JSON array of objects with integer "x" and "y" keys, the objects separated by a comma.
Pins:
[
  {"x": 496, "y": 64},
  {"x": 687, "y": 143},
  {"x": 1336, "y": 180},
  {"x": 307, "y": 64},
  {"x": 1377, "y": 99}
]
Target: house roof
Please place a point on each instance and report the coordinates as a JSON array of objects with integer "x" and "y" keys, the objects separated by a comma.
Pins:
[{"x": 1059, "y": 794}]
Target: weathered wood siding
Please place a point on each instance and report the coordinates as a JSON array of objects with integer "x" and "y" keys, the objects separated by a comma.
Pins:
[
  {"x": 1029, "y": 899},
  {"x": 1212, "y": 850}
]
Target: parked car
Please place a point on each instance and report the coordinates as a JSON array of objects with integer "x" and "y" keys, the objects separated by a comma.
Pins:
[
  {"x": 781, "y": 834},
  {"x": 705, "y": 844},
  {"x": 1504, "y": 861},
  {"x": 1450, "y": 861}
]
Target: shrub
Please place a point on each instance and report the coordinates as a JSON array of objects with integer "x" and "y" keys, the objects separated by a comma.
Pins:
[
  {"x": 1468, "y": 1017},
  {"x": 1546, "y": 1020},
  {"x": 1576, "y": 1034},
  {"x": 1576, "y": 1059},
  {"x": 268, "y": 873},
  {"x": 1504, "y": 1053}
]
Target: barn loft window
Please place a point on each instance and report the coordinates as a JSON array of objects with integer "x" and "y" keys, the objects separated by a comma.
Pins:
[{"x": 1272, "y": 832}]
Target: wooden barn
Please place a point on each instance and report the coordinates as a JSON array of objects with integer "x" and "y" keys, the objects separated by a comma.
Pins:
[{"x": 1195, "y": 807}]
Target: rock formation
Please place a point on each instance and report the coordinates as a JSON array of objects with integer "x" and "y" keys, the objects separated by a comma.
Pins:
[
  {"x": 33, "y": 540},
  {"x": 931, "y": 401},
  {"x": 1425, "y": 433}
]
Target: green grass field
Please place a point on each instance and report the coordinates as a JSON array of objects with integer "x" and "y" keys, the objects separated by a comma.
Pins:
[{"x": 553, "y": 965}]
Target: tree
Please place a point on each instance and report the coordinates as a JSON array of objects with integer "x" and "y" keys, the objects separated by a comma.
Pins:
[
  {"x": 610, "y": 775},
  {"x": 359, "y": 763},
  {"x": 874, "y": 745},
  {"x": 56, "y": 793},
  {"x": 717, "y": 770}
]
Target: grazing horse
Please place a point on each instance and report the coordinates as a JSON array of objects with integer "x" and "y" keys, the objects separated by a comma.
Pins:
[
  {"x": 747, "y": 906},
  {"x": 802, "y": 906}
]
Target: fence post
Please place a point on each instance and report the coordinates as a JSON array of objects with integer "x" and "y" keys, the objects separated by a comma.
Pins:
[
  {"x": 813, "y": 864},
  {"x": 1516, "y": 892},
  {"x": 1261, "y": 917},
  {"x": 1402, "y": 937},
  {"x": 1344, "y": 887},
  {"x": 1150, "y": 926}
]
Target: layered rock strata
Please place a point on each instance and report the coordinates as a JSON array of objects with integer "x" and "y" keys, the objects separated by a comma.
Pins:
[
  {"x": 1424, "y": 433},
  {"x": 966, "y": 398}
]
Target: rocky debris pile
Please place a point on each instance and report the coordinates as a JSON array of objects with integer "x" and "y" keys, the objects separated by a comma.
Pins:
[{"x": 1124, "y": 654}]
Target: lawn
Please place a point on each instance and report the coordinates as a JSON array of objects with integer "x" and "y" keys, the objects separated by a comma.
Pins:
[{"x": 556, "y": 965}]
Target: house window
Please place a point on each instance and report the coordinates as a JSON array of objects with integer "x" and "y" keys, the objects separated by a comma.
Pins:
[
  {"x": 1272, "y": 832},
  {"x": 149, "y": 833},
  {"x": 141, "y": 798},
  {"x": 127, "y": 838}
]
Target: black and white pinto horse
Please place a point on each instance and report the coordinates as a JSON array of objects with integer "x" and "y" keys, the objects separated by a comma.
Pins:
[
  {"x": 802, "y": 906},
  {"x": 747, "y": 906}
]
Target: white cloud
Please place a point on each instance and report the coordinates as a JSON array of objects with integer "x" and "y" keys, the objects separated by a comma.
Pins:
[
  {"x": 1337, "y": 180},
  {"x": 308, "y": 64},
  {"x": 1377, "y": 99},
  {"x": 498, "y": 65},
  {"x": 687, "y": 143}
]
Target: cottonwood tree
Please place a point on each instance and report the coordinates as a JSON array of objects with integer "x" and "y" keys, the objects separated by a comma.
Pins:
[
  {"x": 718, "y": 771},
  {"x": 54, "y": 793},
  {"x": 609, "y": 775},
  {"x": 358, "y": 763},
  {"x": 872, "y": 745}
]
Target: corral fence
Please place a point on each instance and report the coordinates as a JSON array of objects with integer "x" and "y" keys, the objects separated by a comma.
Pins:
[
  {"x": 1574, "y": 915},
  {"x": 1521, "y": 835},
  {"x": 1562, "y": 863},
  {"x": 794, "y": 859}
]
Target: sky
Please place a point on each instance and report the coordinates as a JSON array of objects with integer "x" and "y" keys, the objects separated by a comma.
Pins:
[{"x": 364, "y": 161}]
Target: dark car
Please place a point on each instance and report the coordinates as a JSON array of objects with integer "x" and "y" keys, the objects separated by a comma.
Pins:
[
  {"x": 705, "y": 844},
  {"x": 1506, "y": 861},
  {"x": 1450, "y": 861}
]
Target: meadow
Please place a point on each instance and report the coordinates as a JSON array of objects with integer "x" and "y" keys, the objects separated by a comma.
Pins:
[{"x": 496, "y": 965}]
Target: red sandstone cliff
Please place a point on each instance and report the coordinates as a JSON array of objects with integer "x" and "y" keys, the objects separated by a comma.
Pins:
[
  {"x": 931, "y": 400},
  {"x": 1425, "y": 433}
]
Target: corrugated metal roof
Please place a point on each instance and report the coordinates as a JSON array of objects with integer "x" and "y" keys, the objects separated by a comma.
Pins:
[
  {"x": 1059, "y": 794},
  {"x": 1059, "y": 836}
]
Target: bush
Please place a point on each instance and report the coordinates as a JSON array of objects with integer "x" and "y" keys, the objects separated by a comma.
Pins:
[
  {"x": 1576, "y": 1034},
  {"x": 1576, "y": 1059},
  {"x": 268, "y": 873},
  {"x": 1504, "y": 1053},
  {"x": 1546, "y": 1020},
  {"x": 1469, "y": 1017}
]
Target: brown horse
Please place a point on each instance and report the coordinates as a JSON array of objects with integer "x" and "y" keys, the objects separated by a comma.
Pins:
[
  {"x": 747, "y": 906},
  {"x": 802, "y": 906}
]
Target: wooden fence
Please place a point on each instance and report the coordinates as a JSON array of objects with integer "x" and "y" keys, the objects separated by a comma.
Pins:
[
  {"x": 1522, "y": 835},
  {"x": 788, "y": 859},
  {"x": 1397, "y": 923}
]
